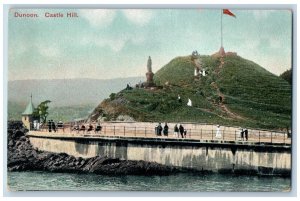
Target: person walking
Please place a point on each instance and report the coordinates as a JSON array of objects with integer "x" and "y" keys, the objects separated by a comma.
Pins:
[
  {"x": 176, "y": 130},
  {"x": 181, "y": 130},
  {"x": 166, "y": 129},
  {"x": 53, "y": 126},
  {"x": 179, "y": 99},
  {"x": 242, "y": 134},
  {"x": 49, "y": 126},
  {"x": 159, "y": 129},
  {"x": 246, "y": 134},
  {"x": 218, "y": 133},
  {"x": 97, "y": 128}
]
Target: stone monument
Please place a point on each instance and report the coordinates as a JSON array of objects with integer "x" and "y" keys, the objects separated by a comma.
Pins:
[{"x": 149, "y": 75}]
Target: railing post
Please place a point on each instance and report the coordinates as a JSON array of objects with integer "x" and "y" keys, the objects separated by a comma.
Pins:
[
  {"x": 284, "y": 138},
  {"x": 223, "y": 135},
  {"x": 235, "y": 135},
  {"x": 104, "y": 130},
  {"x": 124, "y": 130},
  {"x": 201, "y": 134},
  {"x": 190, "y": 133},
  {"x": 271, "y": 137},
  {"x": 259, "y": 136},
  {"x": 135, "y": 131},
  {"x": 114, "y": 130},
  {"x": 212, "y": 134},
  {"x": 145, "y": 131}
]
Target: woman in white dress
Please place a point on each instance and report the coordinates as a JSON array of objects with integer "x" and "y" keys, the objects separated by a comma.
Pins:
[
  {"x": 189, "y": 103},
  {"x": 218, "y": 133}
]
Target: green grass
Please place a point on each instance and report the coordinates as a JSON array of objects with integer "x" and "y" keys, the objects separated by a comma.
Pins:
[{"x": 263, "y": 99}]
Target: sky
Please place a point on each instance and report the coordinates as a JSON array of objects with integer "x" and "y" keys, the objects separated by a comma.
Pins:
[{"x": 109, "y": 43}]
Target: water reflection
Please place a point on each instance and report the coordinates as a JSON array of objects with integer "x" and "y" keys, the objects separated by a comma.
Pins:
[{"x": 180, "y": 182}]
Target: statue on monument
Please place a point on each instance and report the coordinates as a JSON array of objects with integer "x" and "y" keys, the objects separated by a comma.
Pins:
[
  {"x": 149, "y": 75},
  {"x": 149, "y": 64}
]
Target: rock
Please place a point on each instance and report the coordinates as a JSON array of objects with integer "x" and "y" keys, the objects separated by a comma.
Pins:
[
  {"x": 11, "y": 143},
  {"x": 23, "y": 156},
  {"x": 125, "y": 118},
  {"x": 18, "y": 143}
]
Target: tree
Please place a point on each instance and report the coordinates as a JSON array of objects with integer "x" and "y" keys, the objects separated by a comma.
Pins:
[
  {"x": 287, "y": 75},
  {"x": 42, "y": 111}
]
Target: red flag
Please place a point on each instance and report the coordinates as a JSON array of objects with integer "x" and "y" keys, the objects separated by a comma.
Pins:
[{"x": 228, "y": 12}]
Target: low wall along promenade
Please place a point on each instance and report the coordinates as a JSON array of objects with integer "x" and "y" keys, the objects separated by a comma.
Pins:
[{"x": 230, "y": 153}]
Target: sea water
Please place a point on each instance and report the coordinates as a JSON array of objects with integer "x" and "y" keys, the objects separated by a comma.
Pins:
[{"x": 183, "y": 182}]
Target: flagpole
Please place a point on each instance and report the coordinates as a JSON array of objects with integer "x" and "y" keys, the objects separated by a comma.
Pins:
[{"x": 221, "y": 29}]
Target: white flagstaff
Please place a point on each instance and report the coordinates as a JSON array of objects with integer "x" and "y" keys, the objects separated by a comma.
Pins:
[{"x": 221, "y": 27}]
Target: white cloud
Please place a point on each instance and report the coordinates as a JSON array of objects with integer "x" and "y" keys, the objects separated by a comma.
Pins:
[
  {"x": 98, "y": 17},
  {"x": 49, "y": 51},
  {"x": 251, "y": 44},
  {"x": 139, "y": 39},
  {"x": 115, "y": 43},
  {"x": 275, "y": 42},
  {"x": 261, "y": 14},
  {"x": 138, "y": 16}
]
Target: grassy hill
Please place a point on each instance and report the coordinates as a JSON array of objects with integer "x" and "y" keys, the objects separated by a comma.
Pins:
[{"x": 237, "y": 92}]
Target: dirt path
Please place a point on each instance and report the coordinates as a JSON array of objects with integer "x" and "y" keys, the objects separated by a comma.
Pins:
[{"x": 221, "y": 104}]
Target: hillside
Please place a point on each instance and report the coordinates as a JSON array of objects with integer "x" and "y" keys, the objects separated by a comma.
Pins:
[{"x": 237, "y": 92}]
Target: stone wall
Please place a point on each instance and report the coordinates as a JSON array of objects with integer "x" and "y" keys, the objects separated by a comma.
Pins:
[{"x": 199, "y": 156}]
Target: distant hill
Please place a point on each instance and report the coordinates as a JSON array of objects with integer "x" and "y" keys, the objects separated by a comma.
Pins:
[
  {"x": 66, "y": 92},
  {"x": 70, "y": 98},
  {"x": 238, "y": 92},
  {"x": 63, "y": 113}
]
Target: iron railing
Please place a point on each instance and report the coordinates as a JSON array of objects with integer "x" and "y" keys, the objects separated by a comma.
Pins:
[{"x": 260, "y": 136}]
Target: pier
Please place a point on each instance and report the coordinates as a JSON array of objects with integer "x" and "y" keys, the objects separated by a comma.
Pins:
[
  {"x": 265, "y": 152},
  {"x": 200, "y": 132}
]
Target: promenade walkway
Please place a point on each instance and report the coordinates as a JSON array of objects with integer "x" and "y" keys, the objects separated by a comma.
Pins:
[{"x": 147, "y": 130}]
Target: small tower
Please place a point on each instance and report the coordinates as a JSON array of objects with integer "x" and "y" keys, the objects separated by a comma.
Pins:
[
  {"x": 27, "y": 115},
  {"x": 149, "y": 75},
  {"x": 149, "y": 64}
]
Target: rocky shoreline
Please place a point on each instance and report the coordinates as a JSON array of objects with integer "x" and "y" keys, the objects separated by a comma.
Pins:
[{"x": 23, "y": 157}]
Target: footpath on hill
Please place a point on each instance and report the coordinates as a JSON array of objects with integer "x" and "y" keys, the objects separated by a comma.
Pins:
[{"x": 221, "y": 96}]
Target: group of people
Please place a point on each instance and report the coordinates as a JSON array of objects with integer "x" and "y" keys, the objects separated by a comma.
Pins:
[
  {"x": 51, "y": 126},
  {"x": 159, "y": 130},
  {"x": 244, "y": 134},
  {"x": 179, "y": 130},
  {"x": 89, "y": 128},
  {"x": 189, "y": 103}
]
